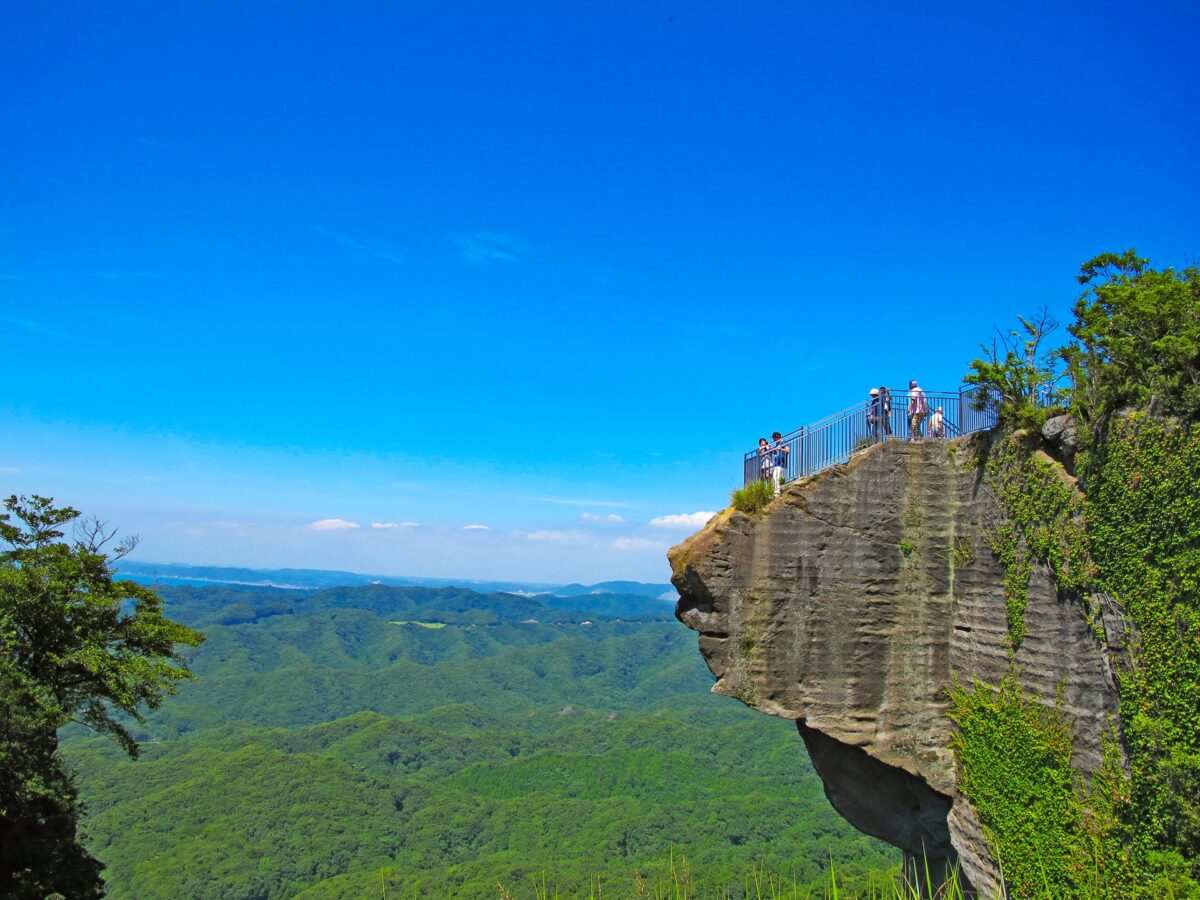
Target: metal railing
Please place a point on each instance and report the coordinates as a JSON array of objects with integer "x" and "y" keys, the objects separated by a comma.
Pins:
[{"x": 834, "y": 439}]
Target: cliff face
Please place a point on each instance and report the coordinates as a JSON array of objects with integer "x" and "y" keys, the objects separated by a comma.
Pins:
[{"x": 849, "y": 605}]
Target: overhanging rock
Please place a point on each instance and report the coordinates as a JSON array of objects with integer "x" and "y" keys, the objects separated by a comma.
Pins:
[{"x": 850, "y": 603}]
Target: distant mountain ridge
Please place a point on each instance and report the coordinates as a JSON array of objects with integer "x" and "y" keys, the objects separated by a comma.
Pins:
[
  {"x": 315, "y": 579},
  {"x": 220, "y": 604},
  {"x": 637, "y": 588}
]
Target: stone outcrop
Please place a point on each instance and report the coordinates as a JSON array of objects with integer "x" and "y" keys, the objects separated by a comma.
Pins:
[
  {"x": 1061, "y": 434},
  {"x": 851, "y": 603}
]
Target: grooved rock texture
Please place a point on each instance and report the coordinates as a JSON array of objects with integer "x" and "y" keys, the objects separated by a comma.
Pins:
[{"x": 850, "y": 603}]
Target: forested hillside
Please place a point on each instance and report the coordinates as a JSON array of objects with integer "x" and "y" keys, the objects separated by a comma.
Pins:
[{"x": 438, "y": 742}]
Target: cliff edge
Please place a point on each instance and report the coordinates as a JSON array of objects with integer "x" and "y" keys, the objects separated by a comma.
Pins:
[{"x": 853, "y": 602}]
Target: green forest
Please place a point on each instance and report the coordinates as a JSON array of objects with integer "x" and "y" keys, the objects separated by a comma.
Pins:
[{"x": 439, "y": 742}]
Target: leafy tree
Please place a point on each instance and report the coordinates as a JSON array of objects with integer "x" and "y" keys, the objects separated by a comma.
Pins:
[
  {"x": 1018, "y": 374},
  {"x": 76, "y": 645},
  {"x": 1139, "y": 338}
]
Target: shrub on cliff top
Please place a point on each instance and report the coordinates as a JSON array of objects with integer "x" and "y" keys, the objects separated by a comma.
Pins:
[
  {"x": 1019, "y": 376},
  {"x": 753, "y": 497}
]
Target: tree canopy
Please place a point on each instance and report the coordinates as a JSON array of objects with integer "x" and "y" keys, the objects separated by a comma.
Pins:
[
  {"x": 1136, "y": 345},
  {"x": 1138, "y": 330},
  {"x": 76, "y": 645}
]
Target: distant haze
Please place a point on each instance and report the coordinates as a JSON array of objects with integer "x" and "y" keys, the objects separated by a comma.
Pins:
[{"x": 315, "y": 579}]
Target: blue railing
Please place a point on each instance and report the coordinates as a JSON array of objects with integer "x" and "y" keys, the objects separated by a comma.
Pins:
[{"x": 834, "y": 439}]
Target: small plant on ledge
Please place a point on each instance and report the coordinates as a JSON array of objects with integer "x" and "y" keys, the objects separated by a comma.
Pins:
[{"x": 753, "y": 497}]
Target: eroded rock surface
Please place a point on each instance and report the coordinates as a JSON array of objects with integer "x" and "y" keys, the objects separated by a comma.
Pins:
[{"x": 849, "y": 605}]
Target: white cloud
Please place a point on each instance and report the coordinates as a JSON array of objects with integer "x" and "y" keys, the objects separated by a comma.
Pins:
[
  {"x": 600, "y": 517},
  {"x": 483, "y": 247},
  {"x": 557, "y": 537},
  {"x": 683, "y": 520},
  {"x": 477, "y": 528},
  {"x": 636, "y": 543},
  {"x": 332, "y": 525},
  {"x": 36, "y": 328},
  {"x": 571, "y": 501},
  {"x": 395, "y": 524},
  {"x": 9, "y": 470},
  {"x": 371, "y": 247}
]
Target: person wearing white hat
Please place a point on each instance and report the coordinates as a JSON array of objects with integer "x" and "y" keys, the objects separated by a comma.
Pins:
[
  {"x": 937, "y": 424},
  {"x": 879, "y": 413},
  {"x": 873, "y": 413}
]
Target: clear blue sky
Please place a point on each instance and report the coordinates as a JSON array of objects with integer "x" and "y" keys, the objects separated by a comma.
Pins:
[{"x": 536, "y": 267}]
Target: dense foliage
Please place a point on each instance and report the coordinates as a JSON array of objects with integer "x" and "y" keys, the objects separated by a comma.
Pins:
[
  {"x": 339, "y": 744},
  {"x": 1056, "y": 834},
  {"x": 76, "y": 645},
  {"x": 1138, "y": 333},
  {"x": 1144, "y": 519},
  {"x": 1129, "y": 532}
]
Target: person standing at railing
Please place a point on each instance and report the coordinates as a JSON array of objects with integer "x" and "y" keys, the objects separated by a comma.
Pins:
[
  {"x": 765, "y": 460},
  {"x": 873, "y": 415},
  {"x": 918, "y": 409},
  {"x": 937, "y": 424},
  {"x": 779, "y": 461},
  {"x": 879, "y": 409}
]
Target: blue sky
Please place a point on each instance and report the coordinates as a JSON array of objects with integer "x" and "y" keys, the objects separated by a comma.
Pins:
[{"x": 544, "y": 268}]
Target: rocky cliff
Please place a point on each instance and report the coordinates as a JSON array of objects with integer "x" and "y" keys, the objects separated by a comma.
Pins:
[{"x": 852, "y": 603}]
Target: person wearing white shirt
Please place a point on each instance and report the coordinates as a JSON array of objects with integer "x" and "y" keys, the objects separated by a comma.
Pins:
[
  {"x": 937, "y": 424},
  {"x": 918, "y": 409}
]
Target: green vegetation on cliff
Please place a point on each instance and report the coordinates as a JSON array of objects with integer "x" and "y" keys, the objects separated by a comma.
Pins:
[
  {"x": 1130, "y": 532},
  {"x": 1144, "y": 519},
  {"x": 1057, "y": 834},
  {"x": 1043, "y": 523}
]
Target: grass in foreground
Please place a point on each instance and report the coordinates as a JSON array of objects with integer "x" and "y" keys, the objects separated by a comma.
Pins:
[{"x": 758, "y": 884}]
